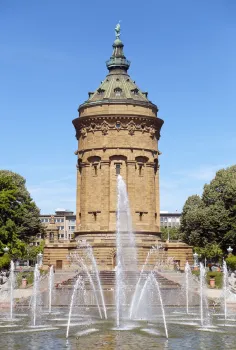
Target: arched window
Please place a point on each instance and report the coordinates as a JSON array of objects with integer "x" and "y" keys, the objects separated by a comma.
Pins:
[
  {"x": 134, "y": 91},
  {"x": 140, "y": 165},
  {"x": 100, "y": 91},
  {"x": 117, "y": 91},
  {"x": 95, "y": 163}
]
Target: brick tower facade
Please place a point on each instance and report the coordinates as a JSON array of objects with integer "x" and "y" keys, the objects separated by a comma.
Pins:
[{"x": 117, "y": 132}]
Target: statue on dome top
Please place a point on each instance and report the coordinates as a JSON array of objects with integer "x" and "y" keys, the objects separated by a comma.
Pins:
[{"x": 117, "y": 30}]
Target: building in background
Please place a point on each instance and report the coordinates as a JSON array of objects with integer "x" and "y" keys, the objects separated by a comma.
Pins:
[
  {"x": 170, "y": 219},
  {"x": 64, "y": 219}
]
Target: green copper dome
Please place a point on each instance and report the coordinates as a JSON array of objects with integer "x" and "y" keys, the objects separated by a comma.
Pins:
[
  {"x": 118, "y": 59},
  {"x": 118, "y": 86},
  {"x": 118, "y": 42}
]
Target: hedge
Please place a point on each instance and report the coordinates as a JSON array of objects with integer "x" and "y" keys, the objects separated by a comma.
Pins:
[
  {"x": 231, "y": 262},
  {"x": 211, "y": 274},
  {"x": 5, "y": 261}
]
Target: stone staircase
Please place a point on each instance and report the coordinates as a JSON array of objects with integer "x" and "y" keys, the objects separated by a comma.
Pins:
[{"x": 108, "y": 278}]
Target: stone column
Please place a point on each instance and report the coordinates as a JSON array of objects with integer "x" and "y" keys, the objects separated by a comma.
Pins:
[{"x": 105, "y": 196}]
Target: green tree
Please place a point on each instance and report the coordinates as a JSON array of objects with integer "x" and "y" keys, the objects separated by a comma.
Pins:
[
  {"x": 211, "y": 219},
  {"x": 193, "y": 216},
  {"x": 32, "y": 251},
  {"x": 211, "y": 252},
  {"x": 19, "y": 215},
  {"x": 171, "y": 232}
]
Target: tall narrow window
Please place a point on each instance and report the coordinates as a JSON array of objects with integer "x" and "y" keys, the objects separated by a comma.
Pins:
[
  {"x": 118, "y": 169},
  {"x": 140, "y": 169},
  {"x": 95, "y": 169}
]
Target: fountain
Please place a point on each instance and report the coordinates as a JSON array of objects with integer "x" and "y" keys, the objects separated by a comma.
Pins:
[
  {"x": 137, "y": 287},
  {"x": 156, "y": 265},
  {"x": 50, "y": 288},
  {"x": 95, "y": 268},
  {"x": 78, "y": 259},
  {"x": 154, "y": 280},
  {"x": 92, "y": 285},
  {"x": 79, "y": 285},
  {"x": 35, "y": 295},
  {"x": 119, "y": 267},
  {"x": 143, "y": 291},
  {"x": 138, "y": 300},
  {"x": 125, "y": 248},
  {"x": 12, "y": 286},
  {"x": 204, "y": 311},
  {"x": 188, "y": 276},
  {"x": 225, "y": 288}
]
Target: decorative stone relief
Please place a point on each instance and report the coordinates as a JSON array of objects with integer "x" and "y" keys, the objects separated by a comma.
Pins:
[
  {"x": 92, "y": 127},
  {"x": 152, "y": 131},
  {"x": 83, "y": 132},
  {"x": 105, "y": 128},
  {"x": 118, "y": 125},
  {"x": 143, "y": 127},
  {"x": 131, "y": 125}
]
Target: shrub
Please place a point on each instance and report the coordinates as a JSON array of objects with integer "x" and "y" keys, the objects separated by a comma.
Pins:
[
  {"x": 231, "y": 262},
  {"x": 29, "y": 277},
  {"x": 218, "y": 278},
  {"x": 5, "y": 261},
  {"x": 211, "y": 274}
]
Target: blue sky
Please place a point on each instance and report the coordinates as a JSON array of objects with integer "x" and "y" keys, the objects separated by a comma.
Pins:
[{"x": 53, "y": 52}]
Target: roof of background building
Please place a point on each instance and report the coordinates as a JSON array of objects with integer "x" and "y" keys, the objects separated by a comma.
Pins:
[
  {"x": 60, "y": 212},
  {"x": 170, "y": 214}
]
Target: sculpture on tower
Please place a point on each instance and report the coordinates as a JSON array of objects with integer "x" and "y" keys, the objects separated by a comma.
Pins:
[{"x": 117, "y": 30}]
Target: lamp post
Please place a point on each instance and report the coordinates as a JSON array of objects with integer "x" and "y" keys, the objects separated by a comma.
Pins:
[
  {"x": 195, "y": 261},
  {"x": 40, "y": 259},
  {"x": 229, "y": 250}
]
